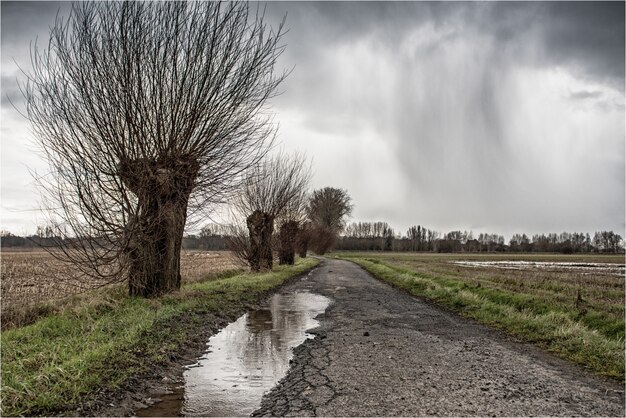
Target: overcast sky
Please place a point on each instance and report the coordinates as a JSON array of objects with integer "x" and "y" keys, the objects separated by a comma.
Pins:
[{"x": 494, "y": 117}]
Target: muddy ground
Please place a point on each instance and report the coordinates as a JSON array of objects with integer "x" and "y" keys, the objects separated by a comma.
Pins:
[{"x": 382, "y": 352}]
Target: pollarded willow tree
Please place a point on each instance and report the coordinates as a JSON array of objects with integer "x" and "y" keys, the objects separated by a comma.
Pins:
[
  {"x": 291, "y": 223},
  {"x": 148, "y": 113},
  {"x": 275, "y": 188}
]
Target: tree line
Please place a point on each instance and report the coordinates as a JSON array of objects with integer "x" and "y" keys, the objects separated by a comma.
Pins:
[
  {"x": 379, "y": 236},
  {"x": 373, "y": 236}
]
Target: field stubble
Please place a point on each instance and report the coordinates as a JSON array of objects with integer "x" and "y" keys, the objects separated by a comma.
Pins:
[{"x": 35, "y": 283}]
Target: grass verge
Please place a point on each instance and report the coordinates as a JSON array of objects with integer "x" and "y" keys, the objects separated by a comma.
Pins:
[
  {"x": 66, "y": 358},
  {"x": 541, "y": 321}
]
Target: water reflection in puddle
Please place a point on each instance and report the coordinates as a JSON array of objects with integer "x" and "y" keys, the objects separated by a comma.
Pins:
[{"x": 245, "y": 359}]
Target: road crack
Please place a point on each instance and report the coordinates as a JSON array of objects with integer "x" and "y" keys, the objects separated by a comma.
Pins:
[{"x": 306, "y": 387}]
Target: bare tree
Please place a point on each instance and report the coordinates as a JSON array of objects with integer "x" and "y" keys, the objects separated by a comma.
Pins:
[
  {"x": 327, "y": 210},
  {"x": 322, "y": 239},
  {"x": 290, "y": 222},
  {"x": 303, "y": 238},
  {"x": 148, "y": 114},
  {"x": 275, "y": 188}
]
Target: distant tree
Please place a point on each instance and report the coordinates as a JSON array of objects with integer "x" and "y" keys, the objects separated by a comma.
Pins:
[
  {"x": 214, "y": 230},
  {"x": 327, "y": 210},
  {"x": 388, "y": 238},
  {"x": 329, "y": 207},
  {"x": 578, "y": 242},
  {"x": 148, "y": 112},
  {"x": 520, "y": 242},
  {"x": 451, "y": 242},
  {"x": 514, "y": 242},
  {"x": 587, "y": 243},
  {"x": 303, "y": 238},
  {"x": 212, "y": 236},
  {"x": 607, "y": 242},
  {"x": 490, "y": 242},
  {"x": 431, "y": 237},
  {"x": 414, "y": 235},
  {"x": 525, "y": 243},
  {"x": 322, "y": 239},
  {"x": 540, "y": 243},
  {"x": 454, "y": 236}
]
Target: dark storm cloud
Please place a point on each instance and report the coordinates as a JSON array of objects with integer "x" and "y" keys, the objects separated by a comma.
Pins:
[
  {"x": 589, "y": 35},
  {"x": 24, "y": 24}
]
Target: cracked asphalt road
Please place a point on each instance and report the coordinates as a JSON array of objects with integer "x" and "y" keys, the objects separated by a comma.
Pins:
[{"x": 381, "y": 352}]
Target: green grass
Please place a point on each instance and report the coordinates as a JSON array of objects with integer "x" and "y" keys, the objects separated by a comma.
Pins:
[
  {"x": 536, "y": 306},
  {"x": 65, "y": 358}
]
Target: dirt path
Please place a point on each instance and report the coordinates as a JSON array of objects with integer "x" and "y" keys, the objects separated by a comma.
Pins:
[{"x": 381, "y": 352}]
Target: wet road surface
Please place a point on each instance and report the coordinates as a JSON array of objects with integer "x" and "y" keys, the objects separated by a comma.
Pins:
[{"x": 380, "y": 352}]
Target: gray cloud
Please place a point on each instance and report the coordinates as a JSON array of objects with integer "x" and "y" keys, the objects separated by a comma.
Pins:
[
  {"x": 23, "y": 21},
  {"x": 10, "y": 91},
  {"x": 585, "y": 94}
]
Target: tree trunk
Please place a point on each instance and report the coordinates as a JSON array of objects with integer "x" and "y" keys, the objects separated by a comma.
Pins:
[
  {"x": 323, "y": 239},
  {"x": 302, "y": 241},
  {"x": 260, "y": 227},
  {"x": 155, "y": 233},
  {"x": 287, "y": 236}
]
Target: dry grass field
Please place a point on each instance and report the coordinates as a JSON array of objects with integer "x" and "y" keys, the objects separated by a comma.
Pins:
[
  {"x": 32, "y": 281},
  {"x": 202, "y": 265}
]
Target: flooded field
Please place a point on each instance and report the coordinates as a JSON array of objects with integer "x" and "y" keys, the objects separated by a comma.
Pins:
[
  {"x": 244, "y": 360},
  {"x": 575, "y": 267}
]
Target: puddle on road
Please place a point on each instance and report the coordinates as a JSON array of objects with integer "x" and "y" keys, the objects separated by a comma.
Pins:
[{"x": 244, "y": 360}]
